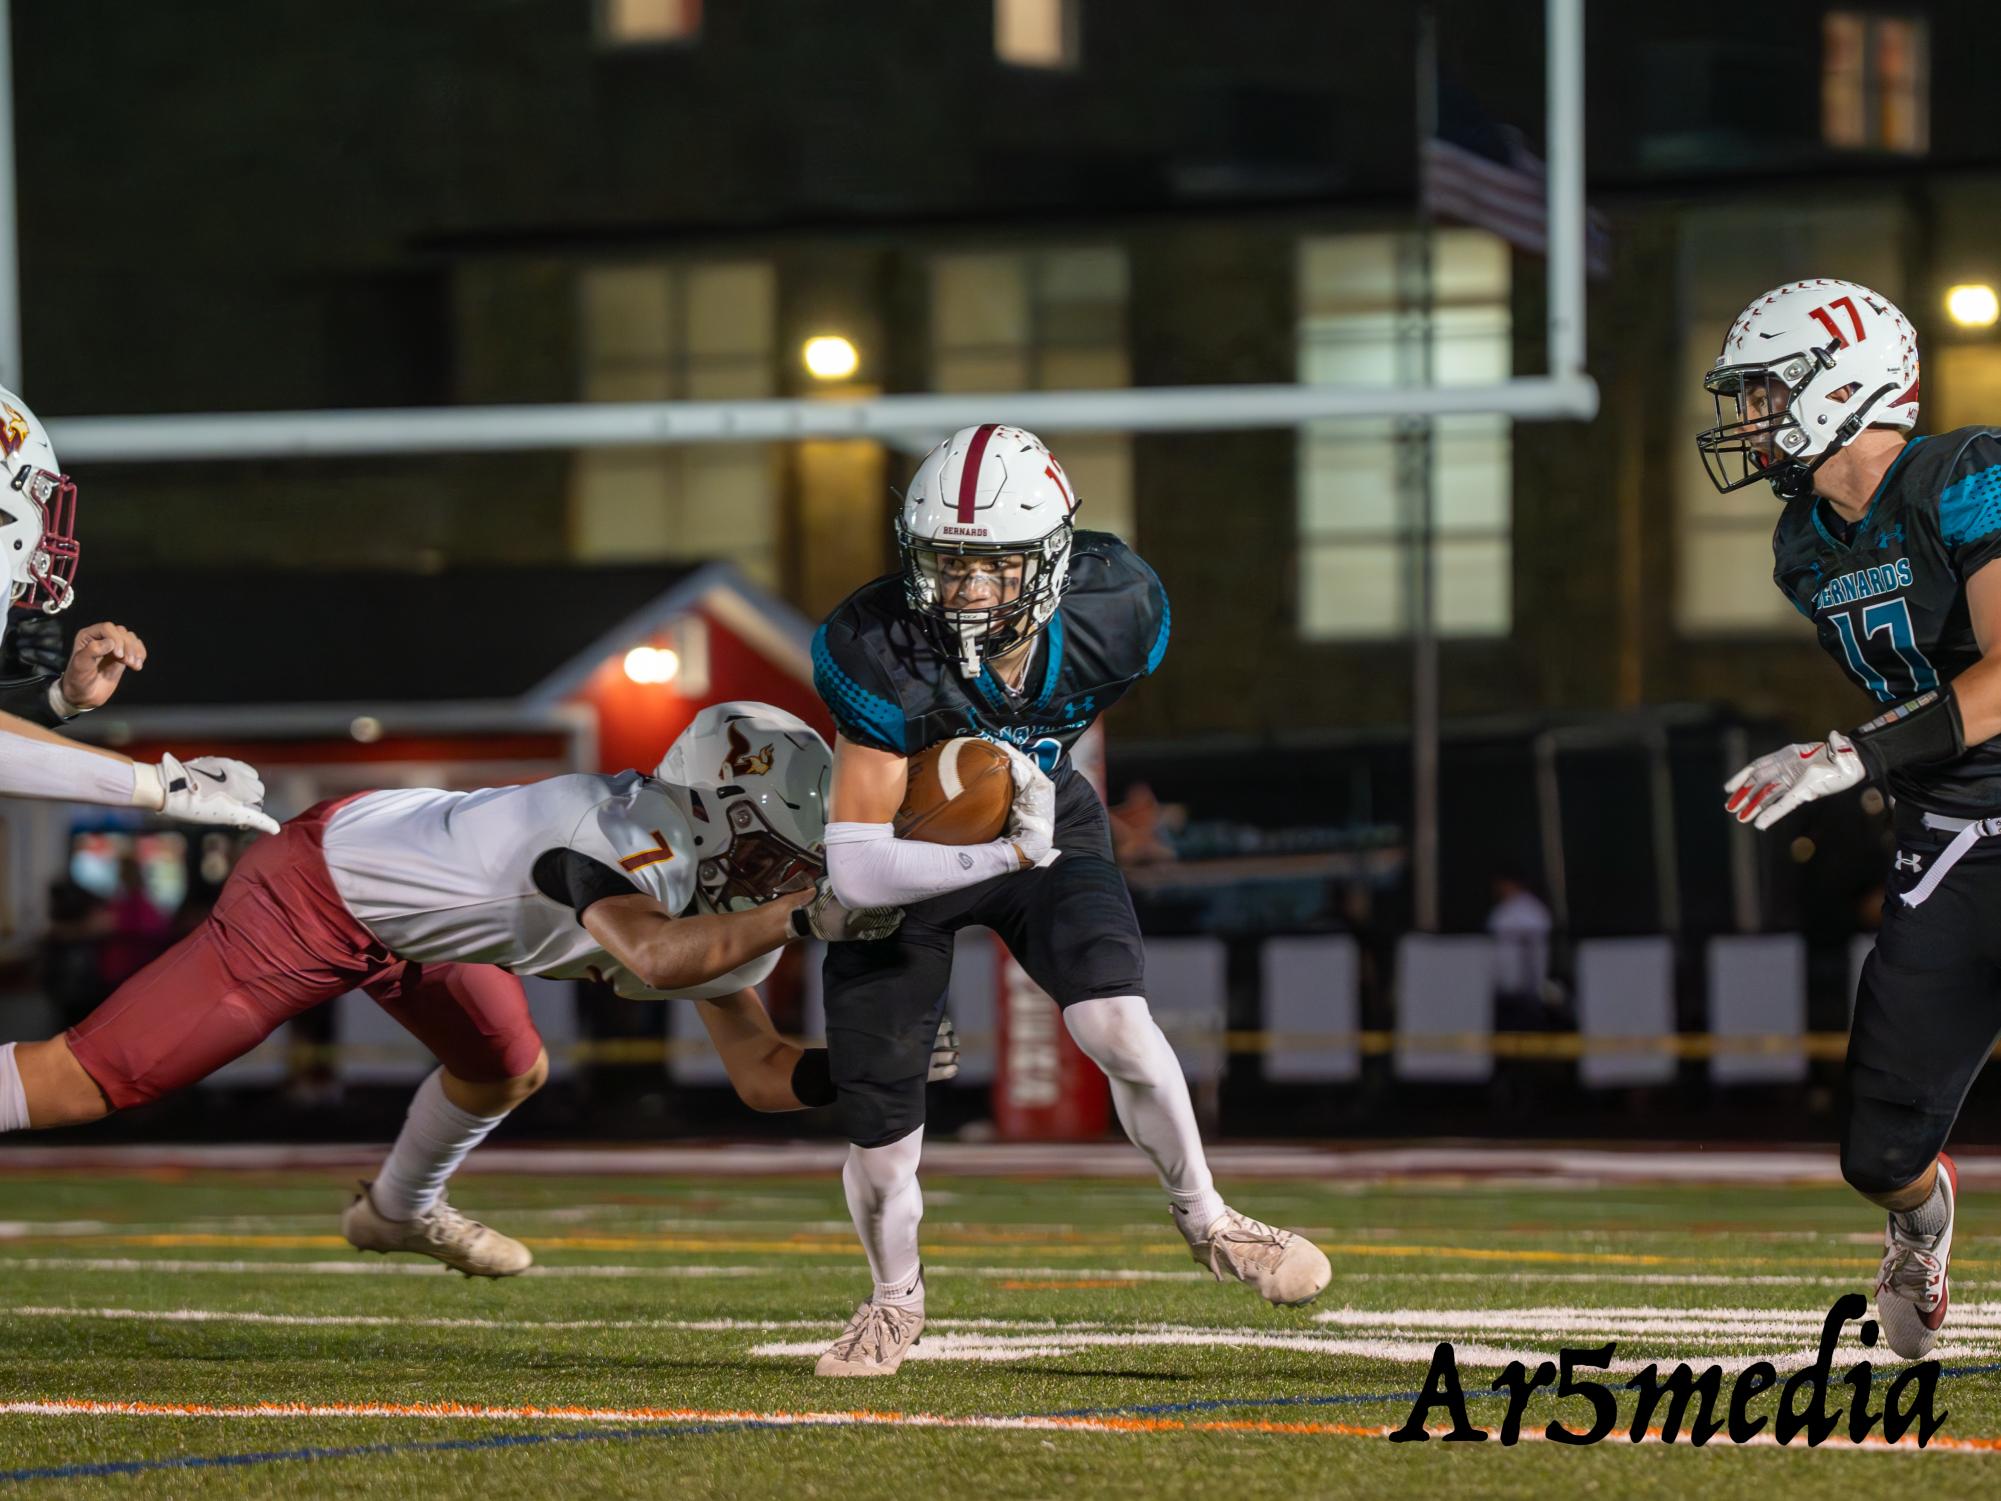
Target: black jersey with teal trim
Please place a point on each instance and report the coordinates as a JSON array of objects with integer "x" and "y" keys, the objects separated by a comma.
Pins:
[
  {"x": 889, "y": 686},
  {"x": 1888, "y": 598}
]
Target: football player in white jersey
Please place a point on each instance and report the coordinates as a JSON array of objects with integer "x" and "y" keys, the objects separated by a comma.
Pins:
[
  {"x": 682, "y": 884},
  {"x": 38, "y": 558}
]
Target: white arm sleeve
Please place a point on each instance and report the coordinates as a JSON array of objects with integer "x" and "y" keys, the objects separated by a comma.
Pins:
[
  {"x": 63, "y": 773},
  {"x": 870, "y": 867}
]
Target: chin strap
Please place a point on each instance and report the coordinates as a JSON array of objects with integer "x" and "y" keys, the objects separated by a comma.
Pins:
[
  {"x": 969, "y": 649},
  {"x": 1792, "y": 479}
]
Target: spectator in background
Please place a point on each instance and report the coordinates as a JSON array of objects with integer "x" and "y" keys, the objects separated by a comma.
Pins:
[
  {"x": 1520, "y": 925},
  {"x": 139, "y": 930}
]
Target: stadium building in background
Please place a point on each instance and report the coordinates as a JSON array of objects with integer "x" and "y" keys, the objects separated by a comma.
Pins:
[{"x": 551, "y": 200}]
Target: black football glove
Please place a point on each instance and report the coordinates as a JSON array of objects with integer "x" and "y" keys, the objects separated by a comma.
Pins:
[{"x": 36, "y": 645}]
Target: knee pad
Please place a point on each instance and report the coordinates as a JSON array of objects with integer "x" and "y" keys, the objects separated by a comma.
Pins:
[
  {"x": 1885, "y": 1147},
  {"x": 879, "y": 1079},
  {"x": 875, "y": 1115}
]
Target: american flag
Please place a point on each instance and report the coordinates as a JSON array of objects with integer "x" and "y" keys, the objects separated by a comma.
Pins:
[{"x": 1481, "y": 172}]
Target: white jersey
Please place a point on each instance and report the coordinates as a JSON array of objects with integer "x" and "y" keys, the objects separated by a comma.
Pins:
[{"x": 447, "y": 877}]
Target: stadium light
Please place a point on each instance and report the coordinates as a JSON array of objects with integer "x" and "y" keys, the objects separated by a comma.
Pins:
[
  {"x": 1973, "y": 305},
  {"x": 652, "y": 664},
  {"x": 831, "y": 357}
]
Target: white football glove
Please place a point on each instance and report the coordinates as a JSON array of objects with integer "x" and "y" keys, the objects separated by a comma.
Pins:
[
  {"x": 1773, "y": 785},
  {"x": 944, "y": 1054},
  {"x": 824, "y": 917},
  {"x": 1031, "y": 822},
  {"x": 208, "y": 789}
]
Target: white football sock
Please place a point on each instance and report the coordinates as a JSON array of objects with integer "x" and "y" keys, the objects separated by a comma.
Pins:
[
  {"x": 435, "y": 1139},
  {"x": 887, "y": 1205},
  {"x": 1150, "y": 1092},
  {"x": 1926, "y": 1222},
  {"x": 13, "y": 1098}
]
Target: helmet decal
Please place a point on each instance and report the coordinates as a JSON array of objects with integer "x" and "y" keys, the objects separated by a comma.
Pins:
[
  {"x": 741, "y": 760},
  {"x": 13, "y": 429},
  {"x": 969, "y": 471}
]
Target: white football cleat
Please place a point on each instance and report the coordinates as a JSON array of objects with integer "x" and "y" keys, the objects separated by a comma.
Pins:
[
  {"x": 1282, "y": 1266},
  {"x": 443, "y": 1235},
  {"x": 874, "y": 1343},
  {"x": 1911, "y": 1291}
]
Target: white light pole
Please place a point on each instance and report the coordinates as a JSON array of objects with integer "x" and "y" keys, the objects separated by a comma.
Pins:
[{"x": 10, "y": 215}]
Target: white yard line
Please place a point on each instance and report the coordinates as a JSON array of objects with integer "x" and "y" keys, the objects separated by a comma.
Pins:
[
  {"x": 1056, "y": 1344},
  {"x": 830, "y": 1324},
  {"x": 426, "y": 1268},
  {"x": 1390, "y": 1335}
]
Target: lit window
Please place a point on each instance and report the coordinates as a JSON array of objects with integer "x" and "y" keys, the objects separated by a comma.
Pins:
[
  {"x": 1357, "y": 478},
  {"x": 645, "y": 22},
  {"x": 1036, "y": 33},
  {"x": 1875, "y": 82},
  {"x": 1042, "y": 320},
  {"x": 697, "y": 332}
]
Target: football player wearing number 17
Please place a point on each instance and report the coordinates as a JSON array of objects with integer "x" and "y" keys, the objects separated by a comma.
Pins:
[
  {"x": 1004, "y": 623},
  {"x": 1887, "y": 543}
]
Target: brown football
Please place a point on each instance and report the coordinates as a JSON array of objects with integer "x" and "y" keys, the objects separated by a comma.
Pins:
[{"x": 959, "y": 793}]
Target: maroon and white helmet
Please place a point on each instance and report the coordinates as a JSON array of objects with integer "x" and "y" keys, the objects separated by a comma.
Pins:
[
  {"x": 1806, "y": 367},
  {"x": 987, "y": 492},
  {"x": 752, "y": 781}
]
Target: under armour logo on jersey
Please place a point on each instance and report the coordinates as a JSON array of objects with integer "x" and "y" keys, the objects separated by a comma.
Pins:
[
  {"x": 1909, "y": 862},
  {"x": 1078, "y": 707},
  {"x": 1885, "y": 535}
]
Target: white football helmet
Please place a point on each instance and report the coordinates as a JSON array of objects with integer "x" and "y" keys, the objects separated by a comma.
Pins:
[
  {"x": 1807, "y": 366},
  {"x": 986, "y": 493},
  {"x": 752, "y": 782}
]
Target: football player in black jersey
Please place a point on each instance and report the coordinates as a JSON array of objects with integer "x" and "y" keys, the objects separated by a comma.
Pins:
[
  {"x": 1885, "y": 544},
  {"x": 1007, "y": 624}
]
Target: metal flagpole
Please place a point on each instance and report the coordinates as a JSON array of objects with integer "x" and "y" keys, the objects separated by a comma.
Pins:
[{"x": 1418, "y": 487}]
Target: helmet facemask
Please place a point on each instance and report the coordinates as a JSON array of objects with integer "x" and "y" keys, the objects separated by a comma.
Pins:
[
  {"x": 45, "y": 578},
  {"x": 759, "y": 865},
  {"x": 1760, "y": 436},
  {"x": 933, "y": 568}
]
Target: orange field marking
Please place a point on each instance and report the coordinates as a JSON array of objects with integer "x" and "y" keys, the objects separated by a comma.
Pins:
[
  {"x": 1016, "y": 1285},
  {"x": 856, "y": 1417},
  {"x": 961, "y": 1246}
]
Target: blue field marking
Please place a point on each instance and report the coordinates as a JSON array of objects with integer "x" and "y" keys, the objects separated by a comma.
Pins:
[
  {"x": 665, "y": 1430},
  {"x": 359, "y": 1451},
  {"x": 1969, "y": 1370}
]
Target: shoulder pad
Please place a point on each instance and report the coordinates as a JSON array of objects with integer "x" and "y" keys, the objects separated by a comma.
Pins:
[
  {"x": 854, "y": 685},
  {"x": 639, "y": 831}
]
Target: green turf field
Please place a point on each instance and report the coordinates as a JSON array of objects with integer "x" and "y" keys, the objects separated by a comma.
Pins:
[{"x": 664, "y": 1344}]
